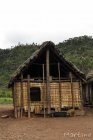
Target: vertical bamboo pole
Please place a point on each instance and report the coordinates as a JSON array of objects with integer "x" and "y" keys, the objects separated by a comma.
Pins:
[
  {"x": 81, "y": 95},
  {"x": 72, "y": 90},
  {"x": 21, "y": 95},
  {"x": 48, "y": 81},
  {"x": 87, "y": 85},
  {"x": 60, "y": 101},
  {"x": 89, "y": 93},
  {"x": 14, "y": 96},
  {"x": 43, "y": 88},
  {"x": 28, "y": 91},
  {"x": 92, "y": 93}
]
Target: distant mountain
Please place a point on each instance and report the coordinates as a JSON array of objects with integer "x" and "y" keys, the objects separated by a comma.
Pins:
[{"x": 78, "y": 50}]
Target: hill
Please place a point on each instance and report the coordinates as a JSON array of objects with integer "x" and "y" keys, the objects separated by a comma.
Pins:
[{"x": 78, "y": 50}]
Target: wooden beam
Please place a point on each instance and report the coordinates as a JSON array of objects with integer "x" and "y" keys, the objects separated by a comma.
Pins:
[
  {"x": 60, "y": 100},
  {"x": 54, "y": 79},
  {"x": 72, "y": 90},
  {"x": 28, "y": 92},
  {"x": 48, "y": 81}
]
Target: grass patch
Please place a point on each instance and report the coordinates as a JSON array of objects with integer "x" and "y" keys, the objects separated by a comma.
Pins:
[{"x": 6, "y": 100}]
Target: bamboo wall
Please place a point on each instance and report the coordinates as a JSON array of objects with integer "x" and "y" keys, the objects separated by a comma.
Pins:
[{"x": 65, "y": 100}]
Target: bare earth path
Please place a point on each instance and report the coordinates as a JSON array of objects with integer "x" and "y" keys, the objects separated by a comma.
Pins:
[{"x": 70, "y": 128}]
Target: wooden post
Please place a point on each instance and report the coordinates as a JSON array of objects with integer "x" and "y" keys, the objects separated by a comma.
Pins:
[
  {"x": 28, "y": 92},
  {"x": 44, "y": 88},
  {"x": 87, "y": 92},
  {"x": 72, "y": 90},
  {"x": 60, "y": 100},
  {"x": 21, "y": 95},
  {"x": 48, "y": 81},
  {"x": 14, "y": 96},
  {"x": 92, "y": 93},
  {"x": 81, "y": 95}
]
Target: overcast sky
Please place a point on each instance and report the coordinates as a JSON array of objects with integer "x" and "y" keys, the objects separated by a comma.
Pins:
[{"x": 28, "y": 21}]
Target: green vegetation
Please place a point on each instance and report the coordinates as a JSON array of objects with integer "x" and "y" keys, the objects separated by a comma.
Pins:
[
  {"x": 78, "y": 50},
  {"x": 6, "y": 100}
]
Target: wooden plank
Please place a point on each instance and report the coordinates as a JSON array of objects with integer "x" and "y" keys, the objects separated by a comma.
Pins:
[
  {"x": 48, "y": 81},
  {"x": 28, "y": 92}
]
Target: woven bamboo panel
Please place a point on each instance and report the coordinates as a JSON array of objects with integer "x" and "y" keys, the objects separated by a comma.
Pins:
[
  {"x": 67, "y": 96},
  {"x": 65, "y": 90},
  {"x": 76, "y": 92},
  {"x": 18, "y": 94},
  {"x": 25, "y": 95},
  {"x": 54, "y": 93}
]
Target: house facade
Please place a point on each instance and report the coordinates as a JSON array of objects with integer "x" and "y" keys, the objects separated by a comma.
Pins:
[{"x": 46, "y": 82}]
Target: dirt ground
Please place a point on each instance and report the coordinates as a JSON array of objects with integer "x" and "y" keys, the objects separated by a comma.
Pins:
[{"x": 62, "y": 128}]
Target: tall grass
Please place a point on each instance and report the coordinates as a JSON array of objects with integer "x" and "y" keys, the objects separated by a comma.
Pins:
[{"x": 6, "y": 100}]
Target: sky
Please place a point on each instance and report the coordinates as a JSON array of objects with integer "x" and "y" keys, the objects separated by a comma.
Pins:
[{"x": 28, "y": 21}]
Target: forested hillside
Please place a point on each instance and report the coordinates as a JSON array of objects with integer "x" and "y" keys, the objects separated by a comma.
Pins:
[{"x": 78, "y": 50}]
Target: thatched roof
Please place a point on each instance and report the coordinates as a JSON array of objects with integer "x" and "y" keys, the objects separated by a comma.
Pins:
[
  {"x": 89, "y": 76},
  {"x": 45, "y": 45}
]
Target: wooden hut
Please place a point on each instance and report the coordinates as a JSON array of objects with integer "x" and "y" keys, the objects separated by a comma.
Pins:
[
  {"x": 88, "y": 98},
  {"x": 46, "y": 82}
]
